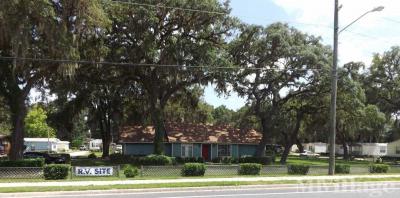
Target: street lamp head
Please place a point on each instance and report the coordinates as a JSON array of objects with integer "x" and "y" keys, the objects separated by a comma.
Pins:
[{"x": 378, "y": 9}]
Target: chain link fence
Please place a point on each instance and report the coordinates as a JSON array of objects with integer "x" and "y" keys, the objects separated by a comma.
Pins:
[
  {"x": 16, "y": 174},
  {"x": 21, "y": 173}
]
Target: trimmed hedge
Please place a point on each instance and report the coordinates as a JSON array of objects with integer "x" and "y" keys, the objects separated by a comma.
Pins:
[
  {"x": 56, "y": 171},
  {"x": 379, "y": 168},
  {"x": 23, "y": 163},
  {"x": 131, "y": 171},
  {"x": 298, "y": 169},
  {"x": 183, "y": 160},
  {"x": 193, "y": 169},
  {"x": 92, "y": 156},
  {"x": 342, "y": 169},
  {"x": 267, "y": 160},
  {"x": 156, "y": 160},
  {"x": 250, "y": 169}
]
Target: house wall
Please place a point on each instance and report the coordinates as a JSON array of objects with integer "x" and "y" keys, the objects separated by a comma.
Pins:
[
  {"x": 40, "y": 146},
  {"x": 197, "y": 150},
  {"x": 392, "y": 148},
  {"x": 235, "y": 150},
  {"x": 374, "y": 149},
  {"x": 214, "y": 151},
  {"x": 245, "y": 149},
  {"x": 143, "y": 149}
]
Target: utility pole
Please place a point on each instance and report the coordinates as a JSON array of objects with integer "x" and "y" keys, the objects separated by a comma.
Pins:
[
  {"x": 332, "y": 139},
  {"x": 332, "y": 121}
]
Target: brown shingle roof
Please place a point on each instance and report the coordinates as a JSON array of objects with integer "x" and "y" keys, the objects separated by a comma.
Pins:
[{"x": 191, "y": 133}]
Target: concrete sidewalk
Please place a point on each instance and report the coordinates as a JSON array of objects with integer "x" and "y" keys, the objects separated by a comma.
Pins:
[{"x": 194, "y": 180}]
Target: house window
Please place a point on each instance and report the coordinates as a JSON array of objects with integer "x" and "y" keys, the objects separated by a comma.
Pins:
[
  {"x": 187, "y": 150},
  {"x": 224, "y": 150},
  {"x": 397, "y": 149},
  {"x": 382, "y": 149}
]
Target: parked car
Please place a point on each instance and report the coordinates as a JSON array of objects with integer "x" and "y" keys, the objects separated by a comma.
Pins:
[
  {"x": 118, "y": 148},
  {"x": 309, "y": 154},
  {"x": 48, "y": 159},
  {"x": 82, "y": 148}
]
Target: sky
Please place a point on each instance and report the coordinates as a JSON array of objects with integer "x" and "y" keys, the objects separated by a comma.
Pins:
[{"x": 375, "y": 33}]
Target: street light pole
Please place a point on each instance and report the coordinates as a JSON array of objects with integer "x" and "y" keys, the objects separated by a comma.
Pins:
[{"x": 336, "y": 32}]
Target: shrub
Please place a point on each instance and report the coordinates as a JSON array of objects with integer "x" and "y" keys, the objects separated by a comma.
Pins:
[
  {"x": 250, "y": 169},
  {"x": 216, "y": 160},
  {"x": 298, "y": 169},
  {"x": 56, "y": 171},
  {"x": 130, "y": 171},
  {"x": 267, "y": 160},
  {"x": 193, "y": 169},
  {"x": 156, "y": 160},
  {"x": 379, "y": 168},
  {"x": 23, "y": 163},
  {"x": 227, "y": 160},
  {"x": 183, "y": 160},
  {"x": 342, "y": 169},
  {"x": 92, "y": 156}
]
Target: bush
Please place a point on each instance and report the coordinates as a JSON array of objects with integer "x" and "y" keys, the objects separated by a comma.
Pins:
[
  {"x": 298, "y": 169},
  {"x": 131, "y": 171},
  {"x": 227, "y": 160},
  {"x": 23, "y": 163},
  {"x": 156, "y": 160},
  {"x": 250, "y": 169},
  {"x": 92, "y": 156},
  {"x": 56, "y": 171},
  {"x": 379, "y": 168},
  {"x": 342, "y": 169},
  {"x": 183, "y": 160},
  {"x": 216, "y": 160},
  {"x": 193, "y": 169},
  {"x": 267, "y": 160}
]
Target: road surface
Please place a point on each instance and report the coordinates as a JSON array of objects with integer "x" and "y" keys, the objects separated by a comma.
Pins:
[{"x": 354, "y": 190}]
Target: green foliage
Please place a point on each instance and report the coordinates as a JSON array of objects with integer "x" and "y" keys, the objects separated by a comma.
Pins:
[
  {"x": 342, "y": 169},
  {"x": 379, "y": 168},
  {"x": 23, "y": 163},
  {"x": 250, "y": 169},
  {"x": 35, "y": 124},
  {"x": 193, "y": 169},
  {"x": 222, "y": 115},
  {"x": 5, "y": 122},
  {"x": 184, "y": 160},
  {"x": 156, "y": 160},
  {"x": 130, "y": 171},
  {"x": 92, "y": 156},
  {"x": 298, "y": 169},
  {"x": 267, "y": 160},
  {"x": 56, "y": 171}
]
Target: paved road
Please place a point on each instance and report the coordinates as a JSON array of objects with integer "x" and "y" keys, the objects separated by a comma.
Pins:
[{"x": 354, "y": 190}]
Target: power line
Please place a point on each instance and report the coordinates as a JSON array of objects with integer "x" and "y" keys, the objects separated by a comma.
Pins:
[
  {"x": 169, "y": 7},
  {"x": 65, "y": 61}
]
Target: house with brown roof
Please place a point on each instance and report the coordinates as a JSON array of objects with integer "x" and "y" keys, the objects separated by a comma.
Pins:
[{"x": 192, "y": 140}]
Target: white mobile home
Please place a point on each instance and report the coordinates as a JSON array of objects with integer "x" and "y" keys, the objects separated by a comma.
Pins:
[
  {"x": 393, "y": 149},
  {"x": 45, "y": 144},
  {"x": 316, "y": 147},
  {"x": 95, "y": 144},
  {"x": 364, "y": 149}
]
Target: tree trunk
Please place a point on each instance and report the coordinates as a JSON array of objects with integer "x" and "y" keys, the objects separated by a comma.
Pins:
[
  {"x": 18, "y": 114},
  {"x": 285, "y": 153},
  {"x": 160, "y": 135},
  {"x": 266, "y": 131},
  {"x": 345, "y": 151},
  {"x": 299, "y": 145}
]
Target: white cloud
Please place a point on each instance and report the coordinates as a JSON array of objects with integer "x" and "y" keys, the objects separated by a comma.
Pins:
[{"x": 374, "y": 33}]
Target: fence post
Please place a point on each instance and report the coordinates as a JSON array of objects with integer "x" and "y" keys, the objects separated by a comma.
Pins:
[
  {"x": 71, "y": 172},
  {"x": 141, "y": 171},
  {"x": 119, "y": 169}
]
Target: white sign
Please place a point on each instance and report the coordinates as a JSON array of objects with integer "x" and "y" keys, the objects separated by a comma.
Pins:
[{"x": 94, "y": 171}]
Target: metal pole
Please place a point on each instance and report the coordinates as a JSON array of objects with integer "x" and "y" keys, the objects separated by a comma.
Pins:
[{"x": 334, "y": 91}]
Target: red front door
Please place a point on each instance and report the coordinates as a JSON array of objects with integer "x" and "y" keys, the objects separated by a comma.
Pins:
[{"x": 205, "y": 150}]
